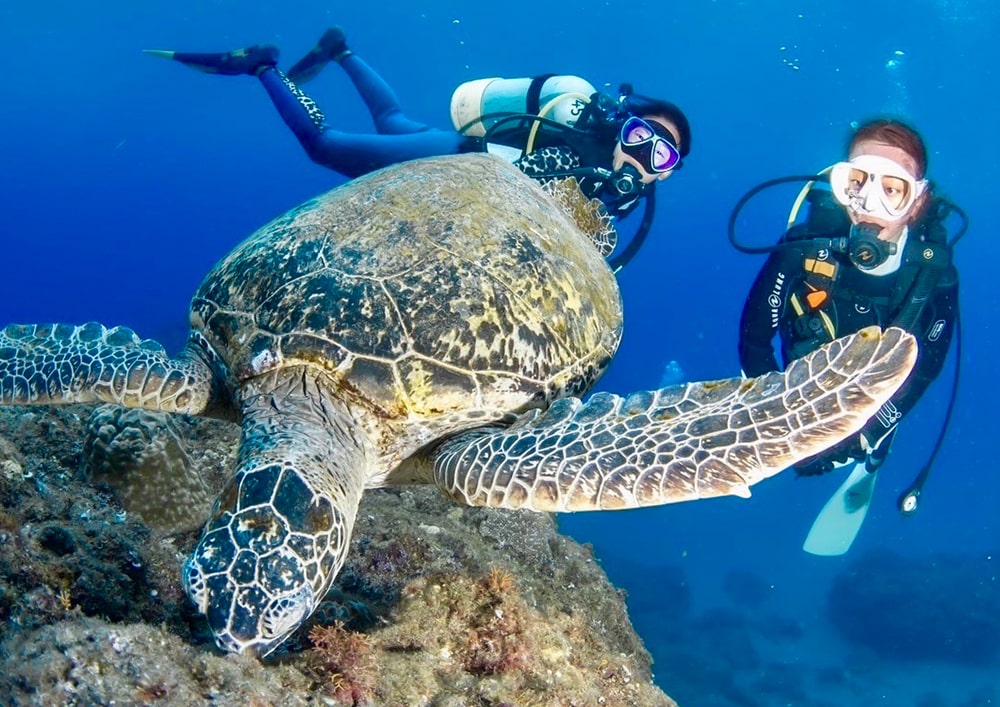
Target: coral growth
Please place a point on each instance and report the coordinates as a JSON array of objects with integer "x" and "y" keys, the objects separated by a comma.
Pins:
[
  {"x": 146, "y": 457},
  {"x": 454, "y": 632},
  {"x": 69, "y": 550},
  {"x": 344, "y": 662},
  {"x": 380, "y": 565},
  {"x": 495, "y": 641}
]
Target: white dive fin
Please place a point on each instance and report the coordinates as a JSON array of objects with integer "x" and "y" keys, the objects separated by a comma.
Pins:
[{"x": 838, "y": 523}]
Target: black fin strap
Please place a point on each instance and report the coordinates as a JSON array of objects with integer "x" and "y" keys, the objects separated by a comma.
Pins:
[{"x": 534, "y": 97}]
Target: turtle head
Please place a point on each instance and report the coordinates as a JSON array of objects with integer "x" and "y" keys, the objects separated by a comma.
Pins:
[{"x": 265, "y": 560}]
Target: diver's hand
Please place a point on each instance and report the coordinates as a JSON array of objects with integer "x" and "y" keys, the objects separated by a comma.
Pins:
[{"x": 845, "y": 452}]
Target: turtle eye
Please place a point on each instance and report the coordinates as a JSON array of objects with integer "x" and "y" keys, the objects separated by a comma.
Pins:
[
  {"x": 195, "y": 587},
  {"x": 286, "y": 613}
]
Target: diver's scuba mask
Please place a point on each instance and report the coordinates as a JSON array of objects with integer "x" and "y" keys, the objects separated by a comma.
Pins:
[
  {"x": 649, "y": 144},
  {"x": 875, "y": 186},
  {"x": 652, "y": 147}
]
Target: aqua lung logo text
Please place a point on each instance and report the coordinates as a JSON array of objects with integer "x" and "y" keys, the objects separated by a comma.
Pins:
[
  {"x": 934, "y": 333},
  {"x": 888, "y": 415},
  {"x": 774, "y": 299}
]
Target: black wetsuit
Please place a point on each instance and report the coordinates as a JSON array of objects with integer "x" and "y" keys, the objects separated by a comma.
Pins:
[
  {"x": 398, "y": 138},
  {"x": 847, "y": 299}
]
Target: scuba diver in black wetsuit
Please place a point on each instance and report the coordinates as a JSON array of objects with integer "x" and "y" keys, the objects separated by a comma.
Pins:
[
  {"x": 874, "y": 250},
  {"x": 617, "y": 148}
]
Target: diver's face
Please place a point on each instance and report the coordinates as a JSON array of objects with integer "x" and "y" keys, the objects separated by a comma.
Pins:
[
  {"x": 891, "y": 230},
  {"x": 620, "y": 159}
]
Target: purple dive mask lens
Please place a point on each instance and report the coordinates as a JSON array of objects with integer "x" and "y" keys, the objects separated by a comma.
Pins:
[
  {"x": 636, "y": 131},
  {"x": 665, "y": 156},
  {"x": 650, "y": 145}
]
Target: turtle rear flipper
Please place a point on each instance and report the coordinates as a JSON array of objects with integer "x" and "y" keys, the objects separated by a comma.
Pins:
[
  {"x": 61, "y": 363},
  {"x": 680, "y": 443}
]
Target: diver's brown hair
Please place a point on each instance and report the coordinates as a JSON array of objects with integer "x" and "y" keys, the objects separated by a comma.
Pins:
[{"x": 896, "y": 133}]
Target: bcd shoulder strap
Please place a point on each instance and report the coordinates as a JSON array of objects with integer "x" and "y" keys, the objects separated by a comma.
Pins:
[
  {"x": 813, "y": 326},
  {"x": 926, "y": 257},
  {"x": 533, "y": 100}
]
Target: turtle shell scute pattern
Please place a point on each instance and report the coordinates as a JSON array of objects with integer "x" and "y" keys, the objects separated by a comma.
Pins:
[{"x": 430, "y": 288}]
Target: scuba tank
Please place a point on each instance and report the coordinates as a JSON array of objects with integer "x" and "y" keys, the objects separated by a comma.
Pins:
[
  {"x": 506, "y": 117},
  {"x": 477, "y": 106}
]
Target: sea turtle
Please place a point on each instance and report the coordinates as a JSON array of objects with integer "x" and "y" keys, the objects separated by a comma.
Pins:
[{"x": 430, "y": 323}]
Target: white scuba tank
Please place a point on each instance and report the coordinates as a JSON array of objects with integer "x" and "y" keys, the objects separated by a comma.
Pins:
[{"x": 561, "y": 99}]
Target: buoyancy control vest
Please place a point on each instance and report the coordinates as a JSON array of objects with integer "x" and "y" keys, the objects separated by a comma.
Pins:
[{"x": 833, "y": 298}]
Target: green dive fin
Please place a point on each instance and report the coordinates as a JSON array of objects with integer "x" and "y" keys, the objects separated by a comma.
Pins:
[{"x": 838, "y": 523}]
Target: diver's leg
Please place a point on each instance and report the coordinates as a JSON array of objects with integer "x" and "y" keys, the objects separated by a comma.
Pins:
[
  {"x": 379, "y": 97},
  {"x": 375, "y": 92},
  {"x": 348, "y": 153}
]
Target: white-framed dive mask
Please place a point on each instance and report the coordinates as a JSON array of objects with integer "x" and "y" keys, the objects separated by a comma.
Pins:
[{"x": 875, "y": 186}]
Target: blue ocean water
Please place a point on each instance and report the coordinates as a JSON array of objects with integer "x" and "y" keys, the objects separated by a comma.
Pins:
[{"x": 124, "y": 178}]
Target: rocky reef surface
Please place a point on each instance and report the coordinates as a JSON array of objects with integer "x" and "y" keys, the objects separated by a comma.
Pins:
[{"x": 437, "y": 604}]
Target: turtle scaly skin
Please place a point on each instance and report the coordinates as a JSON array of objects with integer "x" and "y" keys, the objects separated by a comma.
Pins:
[
  {"x": 280, "y": 530},
  {"x": 432, "y": 322},
  {"x": 60, "y": 363},
  {"x": 682, "y": 443}
]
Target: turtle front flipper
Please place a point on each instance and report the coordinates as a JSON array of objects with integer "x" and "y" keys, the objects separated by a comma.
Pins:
[
  {"x": 680, "y": 443},
  {"x": 61, "y": 363},
  {"x": 281, "y": 527}
]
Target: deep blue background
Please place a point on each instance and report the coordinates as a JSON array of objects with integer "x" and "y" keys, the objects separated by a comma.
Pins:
[{"x": 124, "y": 178}]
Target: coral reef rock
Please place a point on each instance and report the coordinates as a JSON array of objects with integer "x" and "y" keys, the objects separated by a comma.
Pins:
[{"x": 437, "y": 604}]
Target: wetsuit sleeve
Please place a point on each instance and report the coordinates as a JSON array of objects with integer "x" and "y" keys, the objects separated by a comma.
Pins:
[
  {"x": 936, "y": 328},
  {"x": 548, "y": 160},
  {"x": 762, "y": 312}
]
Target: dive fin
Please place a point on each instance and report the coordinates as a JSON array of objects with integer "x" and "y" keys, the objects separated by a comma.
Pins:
[
  {"x": 165, "y": 53},
  {"x": 838, "y": 523},
  {"x": 249, "y": 60}
]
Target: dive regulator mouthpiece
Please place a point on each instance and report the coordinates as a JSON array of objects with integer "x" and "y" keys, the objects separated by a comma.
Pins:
[
  {"x": 627, "y": 181},
  {"x": 865, "y": 249}
]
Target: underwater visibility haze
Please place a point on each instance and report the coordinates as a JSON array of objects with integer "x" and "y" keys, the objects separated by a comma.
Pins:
[{"x": 125, "y": 179}]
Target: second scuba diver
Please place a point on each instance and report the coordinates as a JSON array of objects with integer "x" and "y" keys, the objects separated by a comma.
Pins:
[
  {"x": 617, "y": 148},
  {"x": 874, "y": 253}
]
